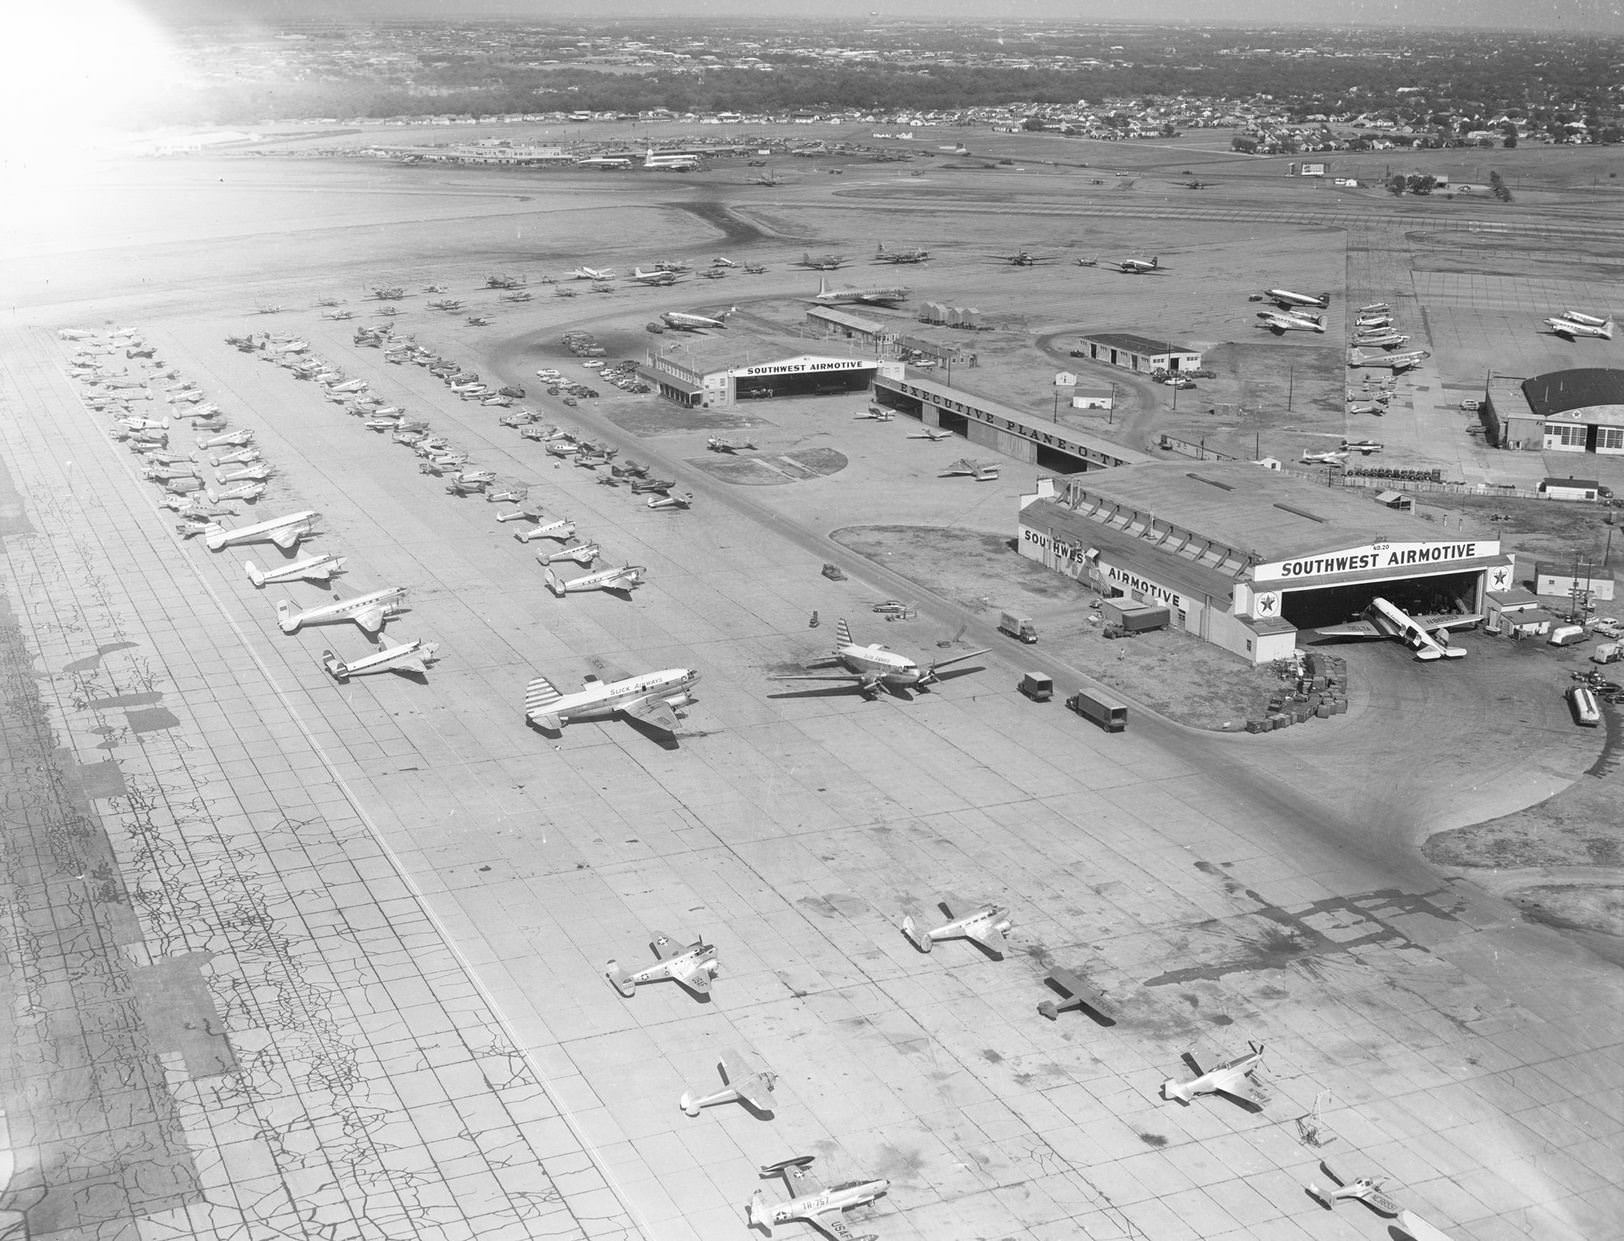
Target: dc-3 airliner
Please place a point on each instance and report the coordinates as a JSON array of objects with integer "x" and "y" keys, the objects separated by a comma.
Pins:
[
  {"x": 369, "y": 611},
  {"x": 651, "y": 699},
  {"x": 875, "y": 666},
  {"x": 1286, "y": 299},
  {"x": 821, "y": 1207},
  {"x": 1427, "y": 636},
  {"x": 1570, "y": 326},
  {"x": 1281, "y": 321},
  {"x": 285, "y": 532}
]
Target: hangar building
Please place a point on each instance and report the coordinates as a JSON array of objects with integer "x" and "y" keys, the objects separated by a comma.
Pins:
[
  {"x": 1245, "y": 557},
  {"x": 1138, "y": 353},
  {"x": 717, "y": 371},
  {"x": 1579, "y": 410}
]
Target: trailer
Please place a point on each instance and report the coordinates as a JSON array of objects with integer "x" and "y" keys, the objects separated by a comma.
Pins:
[{"x": 1104, "y": 710}]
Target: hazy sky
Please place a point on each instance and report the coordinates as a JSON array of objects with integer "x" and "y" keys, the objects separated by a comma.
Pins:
[{"x": 1557, "y": 16}]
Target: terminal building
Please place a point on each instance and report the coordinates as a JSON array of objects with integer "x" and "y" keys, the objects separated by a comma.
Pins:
[
  {"x": 1247, "y": 558},
  {"x": 1579, "y": 410},
  {"x": 1138, "y": 353},
  {"x": 714, "y": 372}
]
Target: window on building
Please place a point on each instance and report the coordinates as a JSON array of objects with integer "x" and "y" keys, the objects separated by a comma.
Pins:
[
  {"x": 1564, "y": 435},
  {"x": 1610, "y": 439}
]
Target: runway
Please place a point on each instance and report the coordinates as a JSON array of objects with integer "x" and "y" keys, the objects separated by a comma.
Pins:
[{"x": 287, "y": 956}]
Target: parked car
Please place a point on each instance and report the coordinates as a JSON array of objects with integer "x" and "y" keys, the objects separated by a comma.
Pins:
[{"x": 1607, "y": 626}]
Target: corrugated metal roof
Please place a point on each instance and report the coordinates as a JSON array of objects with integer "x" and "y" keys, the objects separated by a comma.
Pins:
[{"x": 1137, "y": 344}]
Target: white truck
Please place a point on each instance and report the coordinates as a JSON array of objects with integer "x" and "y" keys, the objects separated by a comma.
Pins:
[{"x": 1017, "y": 626}]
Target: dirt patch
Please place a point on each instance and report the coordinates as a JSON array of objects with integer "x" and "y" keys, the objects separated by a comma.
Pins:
[
  {"x": 1570, "y": 908},
  {"x": 769, "y": 471},
  {"x": 1173, "y": 673},
  {"x": 1577, "y": 827},
  {"x": 663, "y": 418}
]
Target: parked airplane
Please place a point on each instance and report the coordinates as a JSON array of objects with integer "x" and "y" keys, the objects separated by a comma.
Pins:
[
  {"x": 1363, "y": 447},
  {"x": 522, "y": 295},
  {"x": 681, "y": 500},
  {"x": 655, "y": 277},
  {"x": 246, "y": 492},
  {"x": 692, "y": 323},
  {"x": 285, "y": 532},
  {"x": 270, "y": 310},
  {"x": 874, "y": 414},
  {"x": 986, "y": 925},
  {"x": 721, "y": 260},
  {"x": 412, "y": 658},
  {"x": 1077, "y": 994},
  {"x": 1396, "y": 362},
  {"x": 1281, "y": 322},
  {"x": 882, "y": 296},
  {"x": 1140, "y": 267},
  {"x": 234, "y": 439},
  {"x": 753, "y": 1089},
  {"x": 593, "y": 273},
  {"x": 647, "y": 484},
  {"x": 717, "y": 444},
  {"x": 875, "y": 666},
  {"x": 1234, "y": 1079},
  {"x": 694, "y": 967},
  {"x": 1570, "y": 329},
  {"x": 340, "y": 315},
  {"x": 1375, "y": 308},
  {"x": 1427, "y": 636},
  {"x": 821, "y": 1207},
  {"x": 1573, "y": 316},
  {"x": 933, "y": 434},
  {"x": 827, "y": 262},
  {"x": 317, "y": 568},
  {"x": 1023, "y": 258},
  {"x": 1322, "y": 458},
  {"x": 1364, "y": 323},
  {"x": 389, "y": 293},
  {"x": 651, "y": 699},
  {"x": 446, "y": 303},
  {"x": 1361, "y": 1189},
  {"x": 254, "y": 472},
  {"x": 1286, "y": 299},
  {"x": 479, "y": 321},
  {"x": 621, "y": 581},
  {"x": 583, "y": 554},
  {"x": 969, "y": 467},
  {"x": 1385, "y": 338},
  {"x": 563, "y": 529},
  {"x": 369, "y": 611},
  {"x": 915, "y": 255},
  {"x": 503, "y": 282}
]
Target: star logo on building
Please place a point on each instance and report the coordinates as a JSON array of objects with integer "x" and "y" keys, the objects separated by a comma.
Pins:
[
  {"x": 1266, "y": 604},
  {"x": 1500, "y": 579}
]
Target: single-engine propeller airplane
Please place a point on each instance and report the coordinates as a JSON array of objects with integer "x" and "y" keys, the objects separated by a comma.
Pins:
[
  {"x": 1234, "y": 1079},
  {"x": 752, "y": 1088}
]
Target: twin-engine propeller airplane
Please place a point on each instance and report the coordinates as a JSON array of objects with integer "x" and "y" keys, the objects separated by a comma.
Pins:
[
  {"x": 875, "y": 666},
  {"x": 621, "y": 581},
  {"x": 1427, "y": 636},
  {"x": 318, "y": 568},
  {"x": 985, "y": 924},
  {"x": 821, "y": 1207},
  {"x": 412, "y": 658},
  {"x": 369, "y": 611},
  {"x": 285, "y": 532},
  {"x": 694, "y": 967}
]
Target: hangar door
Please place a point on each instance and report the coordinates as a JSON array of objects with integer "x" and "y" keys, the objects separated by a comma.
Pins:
[
  {"x": 803, "y": 383},
  {"x": 1419, "y": 596}
]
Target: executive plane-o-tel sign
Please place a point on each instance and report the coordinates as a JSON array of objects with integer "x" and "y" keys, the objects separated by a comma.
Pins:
[{"x": 1376, "y": 558}]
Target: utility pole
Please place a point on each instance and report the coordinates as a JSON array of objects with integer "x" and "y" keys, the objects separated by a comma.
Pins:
[{"x": 1291, "y": 375}]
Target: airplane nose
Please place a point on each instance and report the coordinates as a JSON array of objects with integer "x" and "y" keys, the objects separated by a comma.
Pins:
[{"x": 693, "y": 675}]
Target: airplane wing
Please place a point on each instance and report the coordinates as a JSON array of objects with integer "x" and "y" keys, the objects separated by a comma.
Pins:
[
  {"x": 803, "y": 1181},
  {"x": 1448, "y": 620},
  {"x": 990, "y": 938},
  {"x": 371, "y": 619},
  {"x": 959, "y": 659},
  {"x": 288, "y": 537},
  {"x": 654, "y": 711},
  {"x": 1352, "y": 629},
  {"x": 664, "y": 946},
  {"x": 754, "y": 1088},
  {"x": 693, "y": 975},
  {"x": 831, "y": 1223},
  {"x": 1243, "y": 1090}
]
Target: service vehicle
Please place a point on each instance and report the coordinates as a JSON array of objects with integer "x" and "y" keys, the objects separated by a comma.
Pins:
[
  {"x": 1568, "y": 635},
  {"x": 1586, "y": 710},
  {"x": 1017, "y": 626},
  {"x": 1038, "y": 686},
  {"x": 1104, "y": 710}
]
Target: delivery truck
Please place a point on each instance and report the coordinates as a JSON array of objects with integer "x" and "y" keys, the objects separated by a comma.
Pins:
[
  {"x": 1017, "y": 626},
  {"x": 1104, "y": 710}
]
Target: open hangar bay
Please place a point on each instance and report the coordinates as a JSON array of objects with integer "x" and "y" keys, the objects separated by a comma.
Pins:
[{"x": 388, "y": 905}]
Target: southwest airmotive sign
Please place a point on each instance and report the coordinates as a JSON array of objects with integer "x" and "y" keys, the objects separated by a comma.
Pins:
[
  {"x": 799, "y": 366},
  {"x": 1376, "y": 558}
]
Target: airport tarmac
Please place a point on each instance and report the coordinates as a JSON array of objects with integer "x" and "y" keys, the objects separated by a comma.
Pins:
[{"x": 327, "y": 960}]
